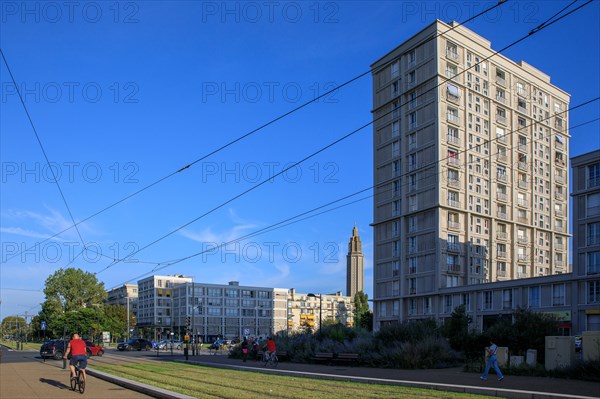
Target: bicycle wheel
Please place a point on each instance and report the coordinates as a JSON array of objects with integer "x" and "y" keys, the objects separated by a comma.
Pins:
[
  {"x": 73, "y": 383},
  {"x": 81, "y": 383},
  {"x": 265, "y": 359},
  {"x": 274, "y": 360}
]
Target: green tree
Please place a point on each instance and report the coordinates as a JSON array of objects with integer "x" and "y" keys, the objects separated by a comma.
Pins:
[
  {"x": 74, "y": 289},
  {"x": 363, "y": 317},
  {"x": 13, "y": 326},
  {"x": 73, "y": 302},
  {"x": 115, "y": 320},
  {"x": 456, "y": 328}
]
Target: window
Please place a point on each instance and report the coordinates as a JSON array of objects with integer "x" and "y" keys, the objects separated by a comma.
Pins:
[
  {"x": 507, "y": 299},
  {"x": 593, "y": 175},
  {"x": 396, "y": 188},
  {"x": 466, "y": 300},
  {"x": 412, "y": 78},
  {"x": 487, "y": 300},
  {"x": 593, "y": 233},
  {"x": 412, "y": 265},
  {"x": 412, "y": 120},
  {"x": 451, "y": 71},
  {"x": 593, "y": 205},
  {"x": 395, "y": 168},
  {"x": 395, "y": 69},
  {"x": 558, "y": 295},
  {"x": 453, "y": 115},
  {"x": 395, "y": 149},
  {"x": 534, "y": 297},
  {"x": 593, "y": 262},
  {"x": 395, "y": 89},
  {"x": 593, "y": 292},
  {"x": 427, "y": 305},
  {"x": 412, "y": 58},
  {"x": 395, "y": 129},
  {"x": 447, "y": 303},
  {"x": 412, "y": 307},
  {"x": 453, "y": 199},
  {"x": 412, "y": 100}
]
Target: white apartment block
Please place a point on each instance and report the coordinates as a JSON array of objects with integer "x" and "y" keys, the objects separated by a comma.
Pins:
[
  {"x": 155, "y": 305},
  {"x": 310, "y": 311},
  {"x": 470, "y": 171},
  {"x": 229, "y": 311},
  {"x": 126, "y": 296}
]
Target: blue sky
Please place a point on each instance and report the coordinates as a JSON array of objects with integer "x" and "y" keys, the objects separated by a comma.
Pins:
[{"x": 124, "y": 94}]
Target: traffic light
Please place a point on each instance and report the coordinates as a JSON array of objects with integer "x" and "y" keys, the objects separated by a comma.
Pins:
[{"x": 188, "y": 322}]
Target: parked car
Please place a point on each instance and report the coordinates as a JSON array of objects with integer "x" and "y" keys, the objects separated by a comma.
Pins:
[
  {"x": 135, "y": 343},
  {"x": 168, "y": 344},
  {"x": 93, "y": 349},
  {"x": 54, "y": 348}
]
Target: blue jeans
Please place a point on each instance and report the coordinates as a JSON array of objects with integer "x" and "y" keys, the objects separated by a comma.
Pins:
[{"x": 492, "y": 361}]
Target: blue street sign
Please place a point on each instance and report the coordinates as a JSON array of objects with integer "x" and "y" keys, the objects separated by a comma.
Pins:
[{"x": 43, "y": 325}]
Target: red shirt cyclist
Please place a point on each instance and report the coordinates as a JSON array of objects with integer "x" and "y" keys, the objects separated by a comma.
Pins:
[{"x": 77, "y": 349}]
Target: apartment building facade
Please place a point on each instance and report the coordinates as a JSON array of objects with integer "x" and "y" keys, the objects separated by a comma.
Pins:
[
  {"x": 309, "y": 311},
  {"x": 126, "y": 296},
  {"x": 229, "y": 311},
  {"x": 470, "y": 171}
]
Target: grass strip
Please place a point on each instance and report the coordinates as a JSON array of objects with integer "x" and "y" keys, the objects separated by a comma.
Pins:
[{"x": 210, "y": 383}]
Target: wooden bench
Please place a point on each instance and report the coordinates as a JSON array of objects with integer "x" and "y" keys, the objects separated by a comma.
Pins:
[
  {"x": 281, "y": 355},
  {"x": 346, "y": 358},
  {"x": 323, "y": 357}
]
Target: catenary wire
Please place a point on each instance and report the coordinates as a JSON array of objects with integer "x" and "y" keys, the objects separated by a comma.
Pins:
[
  {"x": 545, "y": 25},
  {"x": 250, "y": 133}
]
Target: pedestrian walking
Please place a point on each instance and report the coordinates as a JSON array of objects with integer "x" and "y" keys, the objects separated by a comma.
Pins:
[
  {"x": 492, "y": 362},
  {"x": 245, "y": 349}
]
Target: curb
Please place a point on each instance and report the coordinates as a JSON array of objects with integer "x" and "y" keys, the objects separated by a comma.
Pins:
[{"x": 137, "y": 386}]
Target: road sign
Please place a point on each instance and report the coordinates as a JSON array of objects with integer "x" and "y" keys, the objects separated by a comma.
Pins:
[
  {"x": 43, "y": 326},
  {"x": 246, "y": 331}
]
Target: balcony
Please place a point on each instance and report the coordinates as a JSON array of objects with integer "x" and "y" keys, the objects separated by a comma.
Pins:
[
  {"x": 501, "y": 177},
  {"x": 453, "y": 98},
  {"x": 559, "y": 247},
  {"x": 501, "y": 99},
  {"x": 522, "y": 147},
  {"x": 522, "y": 109},
  {"x": 453, "y": 225},
  {"x": 502, "y": 235},
  {"x": 453, "y": 247},
  {"x": 558, "y": 212},
  {"x": 453, "y": 268},
  {"x": 559, "y": 145},
  {"x": 454, "y": 203},
  {"x": 452, "y": 54},
  {"x": 502, "y": 254},
  {"x": 501, "y": 273},
  {"x": 502, "y": 157},
  {"x": 559, "y": 262},
  {"x": 412, "y": 291},
  {"x": 559, "y": 178},
  {"x": 560, "y": 162},
  {"x": 501, "y": 139},
  {"x": 454, "y": 119},
  {"x": 501, "y": 196},
  {"x": 522, "y": 239},
  {"x": 522, "y": 166},
  {"x": 559, "y": 196},
  {"x": 522, "y": 202},
  {"x": 453, "y": 160},
  {"x": 522, "y": 184},
  {"x": 501, "y": 81},
  {"x": 455, "y": 183},
  {"x": 522, "y": 219},
  {"x": 522, "y": 275},
  {"x": 502, "y": 215},
  {"x": 501, "y": 119},
  {"x": 453, "y": 140},
  {"x": 522, "y": 258}
]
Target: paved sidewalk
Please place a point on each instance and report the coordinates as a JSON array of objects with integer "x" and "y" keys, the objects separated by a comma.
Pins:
[{"x": 23, "y": 375}]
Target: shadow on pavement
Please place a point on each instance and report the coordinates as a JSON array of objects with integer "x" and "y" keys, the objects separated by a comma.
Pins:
[{"x": 55, "y": 383}]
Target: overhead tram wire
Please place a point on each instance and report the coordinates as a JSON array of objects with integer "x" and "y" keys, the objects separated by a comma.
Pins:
[
  {"x": 253, "y": 131},
  {"x": 306, "y": 214},
  {"x": 543, "y": 26},
  {"x": 62, "y": 195}
]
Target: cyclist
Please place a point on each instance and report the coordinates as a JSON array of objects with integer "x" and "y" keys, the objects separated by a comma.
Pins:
[
  {"x": 270, "y": 347},
  {"x": 77, "y": 349}
]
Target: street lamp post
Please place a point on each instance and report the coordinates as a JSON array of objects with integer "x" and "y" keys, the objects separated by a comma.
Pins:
[{"x": 320, "y": 296}]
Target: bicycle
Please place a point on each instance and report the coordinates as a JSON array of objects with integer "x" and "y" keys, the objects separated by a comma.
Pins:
[
  {"x": 78, "y": 382},
  {"x": 270, "y": 359}
]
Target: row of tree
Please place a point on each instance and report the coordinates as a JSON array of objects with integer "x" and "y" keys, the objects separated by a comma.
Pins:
[{"x": 74, "y": 302}]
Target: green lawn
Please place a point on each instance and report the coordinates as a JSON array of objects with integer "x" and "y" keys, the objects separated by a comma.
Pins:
[
  {"x": 206, "y": 382},
  {"x": 26, "y": 345}
]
